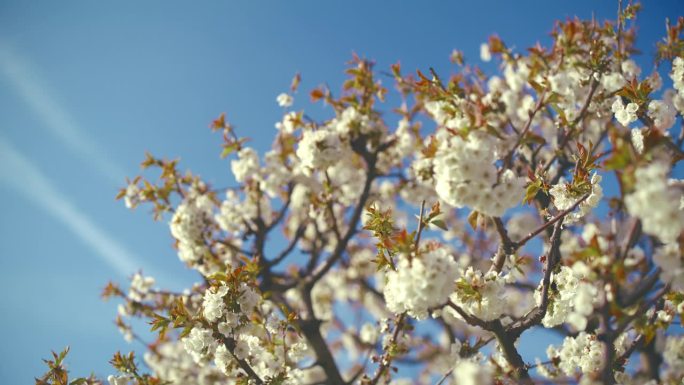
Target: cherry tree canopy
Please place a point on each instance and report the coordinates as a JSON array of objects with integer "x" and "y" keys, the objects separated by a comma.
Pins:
[{"x": 431, "y": 235}]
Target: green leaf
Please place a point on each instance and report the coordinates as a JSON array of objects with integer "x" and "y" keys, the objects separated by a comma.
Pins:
[
  {"x": 561, "y": 114},
  {"x": 472, "y": 219},
  {"x": 439, "y": 223},
  {"x": 619, "y": 159},
  {"x": 229, "y": 149},
  {"x": 532, "y": 190},
  {"x": 219, "y": 276},
  {"x": 531, "y": 137},
  {"x": 537, "y": 87},
  {"x": 186, "y": 331}
]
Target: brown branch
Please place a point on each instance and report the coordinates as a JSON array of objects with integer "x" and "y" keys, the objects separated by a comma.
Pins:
[
  {"x": 244, "y": 365},
  {"x": 283, "y": 254},
  {"x": 642, "y": 288},
  {"x": 553, "y": 220},
  {"x": 506, "y": 247},
  {"x": 507, "y": 343},
  {"x": 311, "y": 327},
  {"x": 226, "y": 243},
  {"x": 535, "y": 316},
  {"x": 341, "y": 246},
  {"x": 324, "y": 358},
  {"x": 618, "y": 37},
  {"x": 470, "y": 319},
  {"x": 386, "y": 359},
  {"x": 331, "y": 211},
  {"x": 652, "y": 360},
  {"x": 585, "y": 107},
  {"x": 578, "y": 119},
  {"x": 607, "y": 336},
  {"x": 506, "y": 336},
  {"x": 508, "y": 159},
  {"x": 622, "y": 326},
  {"x": 446, "y": 375},
  {"x": 421, "y": 225},
  {"x": 631, "y": 238},
  {"x": 283, "y": 210}
]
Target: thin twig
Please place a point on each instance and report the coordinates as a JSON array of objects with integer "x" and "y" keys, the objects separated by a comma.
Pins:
[
  {"x": 553, "y": 220},
  {"x": 244, "y": 365},
  {"x": 386, "y": 359},
  {"x": 537, "y": 314},
  {"x": 641, "y": 289},
  {"x": 578, "y": 119},
  {"x": 641, "y": 311},
  {"x": 619, "y": 29},
  {"x": 509, "y": 155},
  {"x": 420, "y": 226},
  {"x": 631, "y": 238},
  {"x": 283, "y": 254},
  {"x": 506, "y": 247}
]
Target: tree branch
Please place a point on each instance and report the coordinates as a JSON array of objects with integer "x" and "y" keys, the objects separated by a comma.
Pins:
[
  {"x": 341, "y": 246},
  {"x": 506, "y": 247},
  {"x": 642, "y": 288},
  {"x": 311, "y": 329},
  {"x": 583, "y": 112},
  {"x": 507, "y": 342},
  {"x": 283, "y": 254},
  {"x": 553, "y": 220},
  {"x": 539, "y": 312},
  {"x": 421, "y": 225},
  {"x": 508, "y": 159},
  {"x": 386, "y": 359},
  {"x": 631, "y": 238},
  {"x": 244, "y": 365}
]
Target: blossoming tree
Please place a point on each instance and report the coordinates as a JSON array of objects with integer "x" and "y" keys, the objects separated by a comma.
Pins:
[{"x": 357, "y": 246}]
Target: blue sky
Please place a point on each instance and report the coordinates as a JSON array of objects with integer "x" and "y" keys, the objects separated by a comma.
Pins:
[{"x": 87, "y": 87}]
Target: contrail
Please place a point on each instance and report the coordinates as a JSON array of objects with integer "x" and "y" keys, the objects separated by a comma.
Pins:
[
  {"x": 54, "y": 117},
  {"x": 19, "y": 173}
]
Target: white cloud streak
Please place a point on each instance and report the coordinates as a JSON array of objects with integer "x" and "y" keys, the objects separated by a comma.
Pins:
[
  {"x": 20, "y": 174},
  {"x": 25, "y": 81}
]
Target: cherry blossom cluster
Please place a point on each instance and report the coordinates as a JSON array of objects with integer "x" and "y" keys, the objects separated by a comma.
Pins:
[
  {"x": 420, "y": 283},
  {"x": 657, "y": 202},
  {"x": 465, "y": 175}
]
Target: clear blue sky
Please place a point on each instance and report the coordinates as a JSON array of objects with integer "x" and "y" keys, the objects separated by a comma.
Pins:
[{"x": 87, "y": 87}]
